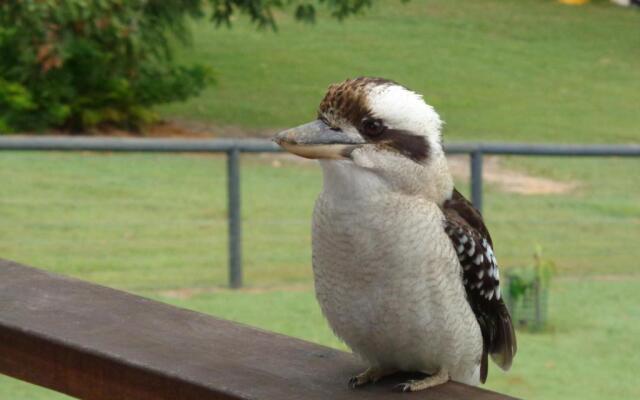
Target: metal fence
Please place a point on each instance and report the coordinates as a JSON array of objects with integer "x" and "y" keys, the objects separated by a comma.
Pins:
[{"x": 234, "y": 147}]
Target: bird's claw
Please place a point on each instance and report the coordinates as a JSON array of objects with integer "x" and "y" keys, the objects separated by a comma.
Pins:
[
  {"x": 403, "y": 387},
  {"x": 353, "y": 382},
  {"x": 356, "y": 382},
  {"x": 371, "y": 375}
]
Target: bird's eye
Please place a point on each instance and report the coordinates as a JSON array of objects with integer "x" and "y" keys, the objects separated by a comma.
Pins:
[{"x": 372, "y": 127}]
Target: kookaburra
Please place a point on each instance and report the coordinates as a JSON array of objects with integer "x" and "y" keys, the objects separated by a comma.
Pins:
[{"x": 403, "y": 264}]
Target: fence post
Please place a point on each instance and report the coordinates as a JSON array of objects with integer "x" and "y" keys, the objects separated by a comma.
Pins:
[
  {"x": 235, "y": 227},
  {"x": 476, "y": 179}
]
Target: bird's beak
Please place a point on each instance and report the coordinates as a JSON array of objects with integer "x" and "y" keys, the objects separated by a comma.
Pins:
[{"x": 317, "y": 140}]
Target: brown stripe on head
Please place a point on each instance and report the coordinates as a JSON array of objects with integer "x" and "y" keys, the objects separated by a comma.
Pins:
[{"x": 348, "y": 102}]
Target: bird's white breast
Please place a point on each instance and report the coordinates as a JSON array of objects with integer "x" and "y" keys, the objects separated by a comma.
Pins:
[{"x": 388, "y": 279}]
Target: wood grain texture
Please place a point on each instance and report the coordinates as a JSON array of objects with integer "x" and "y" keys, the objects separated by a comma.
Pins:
[{"x": 93, "y": 342}]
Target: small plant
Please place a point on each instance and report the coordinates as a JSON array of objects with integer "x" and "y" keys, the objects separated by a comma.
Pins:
[{"x": 528, "y": 292}]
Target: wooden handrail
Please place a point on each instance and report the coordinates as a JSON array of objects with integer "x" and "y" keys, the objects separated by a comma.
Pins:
[{"x": 93, "y": 342}]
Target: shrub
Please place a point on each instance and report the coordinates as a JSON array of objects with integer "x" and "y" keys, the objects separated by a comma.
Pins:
[{"x": 74, "y": 64}]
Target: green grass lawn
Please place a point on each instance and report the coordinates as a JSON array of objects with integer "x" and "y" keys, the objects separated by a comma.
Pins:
[
  {"x": 516, "y": 70},
  {"x": 155, "y": 225}
]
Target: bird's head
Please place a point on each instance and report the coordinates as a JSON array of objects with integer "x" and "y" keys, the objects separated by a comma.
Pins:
[{"x": 375, "y": 130}]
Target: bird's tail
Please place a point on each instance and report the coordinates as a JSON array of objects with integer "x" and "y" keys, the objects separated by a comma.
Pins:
[{"x": 503, "y": 347}]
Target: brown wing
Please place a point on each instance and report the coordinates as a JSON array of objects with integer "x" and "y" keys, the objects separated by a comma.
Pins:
[{"x": 481, "y": 278}]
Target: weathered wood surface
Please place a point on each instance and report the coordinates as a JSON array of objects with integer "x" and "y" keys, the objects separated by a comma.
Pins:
[{"x": 93, "y": 342}]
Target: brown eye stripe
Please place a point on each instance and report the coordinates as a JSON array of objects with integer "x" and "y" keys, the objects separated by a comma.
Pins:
[{"x": 413, "y": 146}]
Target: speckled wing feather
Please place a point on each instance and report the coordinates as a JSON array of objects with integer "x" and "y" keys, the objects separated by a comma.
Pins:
[{"x": 481, "y": 278}]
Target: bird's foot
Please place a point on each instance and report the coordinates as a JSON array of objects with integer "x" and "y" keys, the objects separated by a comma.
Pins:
[
  {"x": 371, "y": 375},
  {"x": 415, "y": 385}
]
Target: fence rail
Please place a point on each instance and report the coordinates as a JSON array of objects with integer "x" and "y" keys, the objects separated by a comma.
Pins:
[
  {"x": 97, "y": 343},
  {"x": 234, "y": 147}
]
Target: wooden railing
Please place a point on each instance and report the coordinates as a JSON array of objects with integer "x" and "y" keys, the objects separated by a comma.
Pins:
[{"x": 93, "y": 342}]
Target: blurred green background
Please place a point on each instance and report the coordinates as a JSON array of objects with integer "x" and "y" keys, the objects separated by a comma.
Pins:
[
  {"x": 505, "y": 70},
  {"x": 508, "y": 70}
]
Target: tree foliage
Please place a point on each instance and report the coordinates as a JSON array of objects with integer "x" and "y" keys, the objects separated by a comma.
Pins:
[
  {"x": 75, "y": 64},
  {"x": 261, "y": 11}
]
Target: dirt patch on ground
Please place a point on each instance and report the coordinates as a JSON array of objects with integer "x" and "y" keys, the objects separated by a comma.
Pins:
[
  {"x": 159, "y": 129},
  {"x": 180, "y": 128},
  {"x": 494, "y": 172},
  {"x": 509, "y": 180}
]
